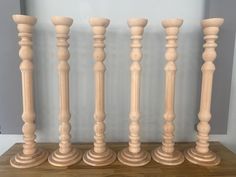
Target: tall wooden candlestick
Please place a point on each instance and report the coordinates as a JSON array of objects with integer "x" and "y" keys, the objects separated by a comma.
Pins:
[
  {"x": 134, "y": 155},
  {"x": 100, "y": 154},
  {"x": 31, "y": 155},
  {"x": 201, "y": 154},
  {"x": 65, "y": 155},
  {"x": 167, "y": 154}
]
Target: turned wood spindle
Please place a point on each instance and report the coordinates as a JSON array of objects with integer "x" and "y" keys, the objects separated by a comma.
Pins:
[
  {"x": 31, "y": 155},
  {"x": 65, "y": 155},
  {"x": 201, "y": 154},
  {"x": 100, "y": 154},
  {"x": 167, "y": 154},
  {"x": 134, "y": 155}
]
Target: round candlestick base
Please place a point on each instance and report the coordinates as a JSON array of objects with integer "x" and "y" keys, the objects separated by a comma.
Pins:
[
  {"x": 99, "y": 159},
  {"x": 22, "y": 160},
  {"x": 63, "y": 160},
  {"x": 164, "y": 158},
  {"x": 134, "y": 159},
  {"x": 207, "y": 159}
]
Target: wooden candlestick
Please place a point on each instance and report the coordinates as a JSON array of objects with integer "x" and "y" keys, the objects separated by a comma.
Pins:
[
  {"x": 167, "y": 154},
  {"x": 31, "y": 155},
  {"x": 65, "y": 155},
  {"x": 100, "y": 154},
  {"x": 134, "y": 155},
  {"x": 201, "y": 154}
]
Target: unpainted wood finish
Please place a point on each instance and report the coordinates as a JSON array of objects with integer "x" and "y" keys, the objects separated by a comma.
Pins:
[
  {"x": 117, "y": 169},
  {"x": 65, "y": 155},
  {"x": 31, "y": 155},
  {"x": 201, "y": 154},
  {"x": 167, "y": 154},
  {"x": 133, "y": 155},
  {"x": 100, "y": 154}
]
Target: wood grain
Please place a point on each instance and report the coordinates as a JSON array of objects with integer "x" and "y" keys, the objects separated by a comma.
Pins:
[{"x": 227, "y": 167}]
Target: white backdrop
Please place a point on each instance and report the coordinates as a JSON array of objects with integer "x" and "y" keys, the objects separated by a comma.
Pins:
[{"x": 117, "y": 64}]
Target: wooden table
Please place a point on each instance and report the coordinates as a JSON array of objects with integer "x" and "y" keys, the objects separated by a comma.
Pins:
[{"x": 227, "y": 168}]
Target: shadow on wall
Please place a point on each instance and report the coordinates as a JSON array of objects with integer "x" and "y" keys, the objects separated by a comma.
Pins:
[{"x": 117, "y": 84}]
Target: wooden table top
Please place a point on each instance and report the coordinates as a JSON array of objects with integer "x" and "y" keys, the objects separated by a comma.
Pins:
[{"x": 227, "y": 167}]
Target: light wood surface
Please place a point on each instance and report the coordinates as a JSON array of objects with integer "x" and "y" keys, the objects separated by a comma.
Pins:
[
  {"x": 30, "y": 155},
  {"x": 100, "y": 154},
  {"x": 116, "y": 169},
  {"x": 65, "y": 155},
  {"x": 201, "y": 154},
  {"x": 133, "y": 155},
  {"x": 167, "y": 154}
]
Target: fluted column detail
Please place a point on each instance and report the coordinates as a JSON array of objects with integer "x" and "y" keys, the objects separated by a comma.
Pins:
[
  {"x": 30, "y": 156},
  {"x": 99, "y": 69},
  {"x": 167, "y": 154},
  {"x": 66, "y": 155},
  {"x": 134, "y": 155},
  {"x": 201, "y": 154}
]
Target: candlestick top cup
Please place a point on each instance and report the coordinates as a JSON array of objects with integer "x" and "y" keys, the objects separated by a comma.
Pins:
[
  {"x": 175, "y": 22},
  {"x": 24, "y": 19},
  {"x": 212, "y": 22},
  {"x": 137, "y": 22},
  {"x": 99, "y": 21},
  {"x": 59, "y": 20}
]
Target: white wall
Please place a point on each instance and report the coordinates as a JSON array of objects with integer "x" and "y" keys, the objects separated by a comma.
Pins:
[{"x": 117, "y": 63}]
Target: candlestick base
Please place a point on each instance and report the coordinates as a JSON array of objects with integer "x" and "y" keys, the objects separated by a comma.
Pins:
[
  {"x": 63, "y": 160},
  {"x": 164, "y": 158},
  {"x": 22, "y": 160},
  {"x": 99, "y": 159},
  {"x": 134, "y": 159},
  {"x": 207, "y": 159}
]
